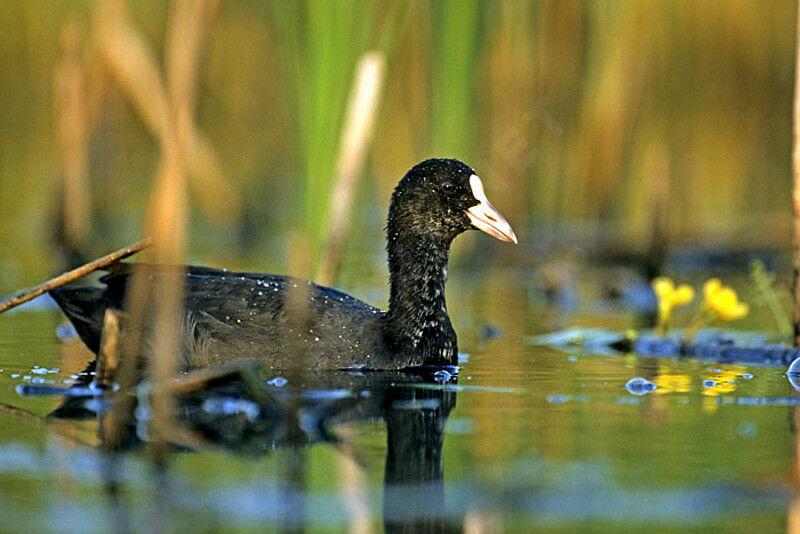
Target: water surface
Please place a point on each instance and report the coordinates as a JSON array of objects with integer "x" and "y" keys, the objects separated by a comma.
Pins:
[{"x": 527, "y": 438}]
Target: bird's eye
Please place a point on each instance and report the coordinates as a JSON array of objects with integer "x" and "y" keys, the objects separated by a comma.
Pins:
[{"x": 447, "y": 187}]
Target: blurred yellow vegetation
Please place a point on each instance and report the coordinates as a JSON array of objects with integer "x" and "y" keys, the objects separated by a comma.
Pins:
[
  {"x": 722, "y": 302},
  {"x": 669, "y": 297}
]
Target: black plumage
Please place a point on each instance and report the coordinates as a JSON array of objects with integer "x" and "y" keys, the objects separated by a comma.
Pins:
[{"x": 254, "y": 316}]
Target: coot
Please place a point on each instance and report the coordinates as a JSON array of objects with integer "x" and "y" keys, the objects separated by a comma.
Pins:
[{"x": 251, "y": 316}]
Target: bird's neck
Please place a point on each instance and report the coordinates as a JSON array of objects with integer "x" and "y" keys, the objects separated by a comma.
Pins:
[{"x": 418, "y": 324}]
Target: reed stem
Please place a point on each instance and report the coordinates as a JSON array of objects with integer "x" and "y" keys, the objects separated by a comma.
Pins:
[
  {"x": 796, "y": 187},
  {"x": 70, "y": 276}
]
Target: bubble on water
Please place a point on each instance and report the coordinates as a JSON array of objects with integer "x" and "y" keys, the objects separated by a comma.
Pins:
[
  {"x": 66, "y": 332},
  {"x": 747, "y": 376},
  {"x": 640, "y": 386},
  {"x": 709, "y": 383},
  {"x": 416, "y": 404},
  {"x": 558, "y": 399},
  {"x": 793, "y": 374},
  {"x": 227, "y": 406},
  {"x": 14, "y": 375},
  {"x": 442, "y": 376},
  {"x": 747, "y": 429},
  {"x": 278, "y": 382}
]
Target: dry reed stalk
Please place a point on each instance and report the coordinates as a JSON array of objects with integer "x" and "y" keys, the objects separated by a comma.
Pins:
[
  {"x": 482, "y": 522},
  {"x": 796, "y": 186},
  {"x": 352, "y": 486},
  {"x": 793, "y": 513},
  {"x": 135, "y": 69},
  {"x": 157, "y": 301},
  {"x": 511, "y": 66},
  {"x": 38, "y": 420},
  {"x": 355, "y": 139},
  {"x": 168, "y": 214},
  {"x": 296, "y": 304},
  {"x": 70, "y": 276},
  {"x": 131, "y": 63},
  {"x": 73, "y": 137},
  {"x": 108, "y": 355}
]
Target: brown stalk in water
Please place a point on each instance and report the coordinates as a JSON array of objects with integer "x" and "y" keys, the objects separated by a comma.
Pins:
[
  {"x": 70, "y": 276},
  {"x": 155, "y": 305},
  {"x": 796, "y": 190},
  {"x": 793, "y": 512},
  {"x": 135, "y": 69},
  {"x": 73, "y": 139}
]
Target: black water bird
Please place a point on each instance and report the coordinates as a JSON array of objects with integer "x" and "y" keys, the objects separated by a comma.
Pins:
[{"x": 247, "y": 316}]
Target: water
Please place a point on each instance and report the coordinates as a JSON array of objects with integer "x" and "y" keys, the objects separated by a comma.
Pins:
[{"x": 528, "y": 438}]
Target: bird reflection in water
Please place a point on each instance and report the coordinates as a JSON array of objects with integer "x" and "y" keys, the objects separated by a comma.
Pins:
[{"x": 248, "y": 411}]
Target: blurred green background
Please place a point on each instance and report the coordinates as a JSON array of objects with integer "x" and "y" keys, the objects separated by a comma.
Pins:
[{"x": 597, "y": 112}]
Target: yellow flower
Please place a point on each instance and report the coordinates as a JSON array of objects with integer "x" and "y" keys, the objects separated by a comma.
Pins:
[
  {"x": 669, "y": 297},
  {"x": 723, "y": 302}
]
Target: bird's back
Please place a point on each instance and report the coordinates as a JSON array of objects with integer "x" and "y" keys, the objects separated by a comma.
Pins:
[{"x": 231, "y": 316}]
